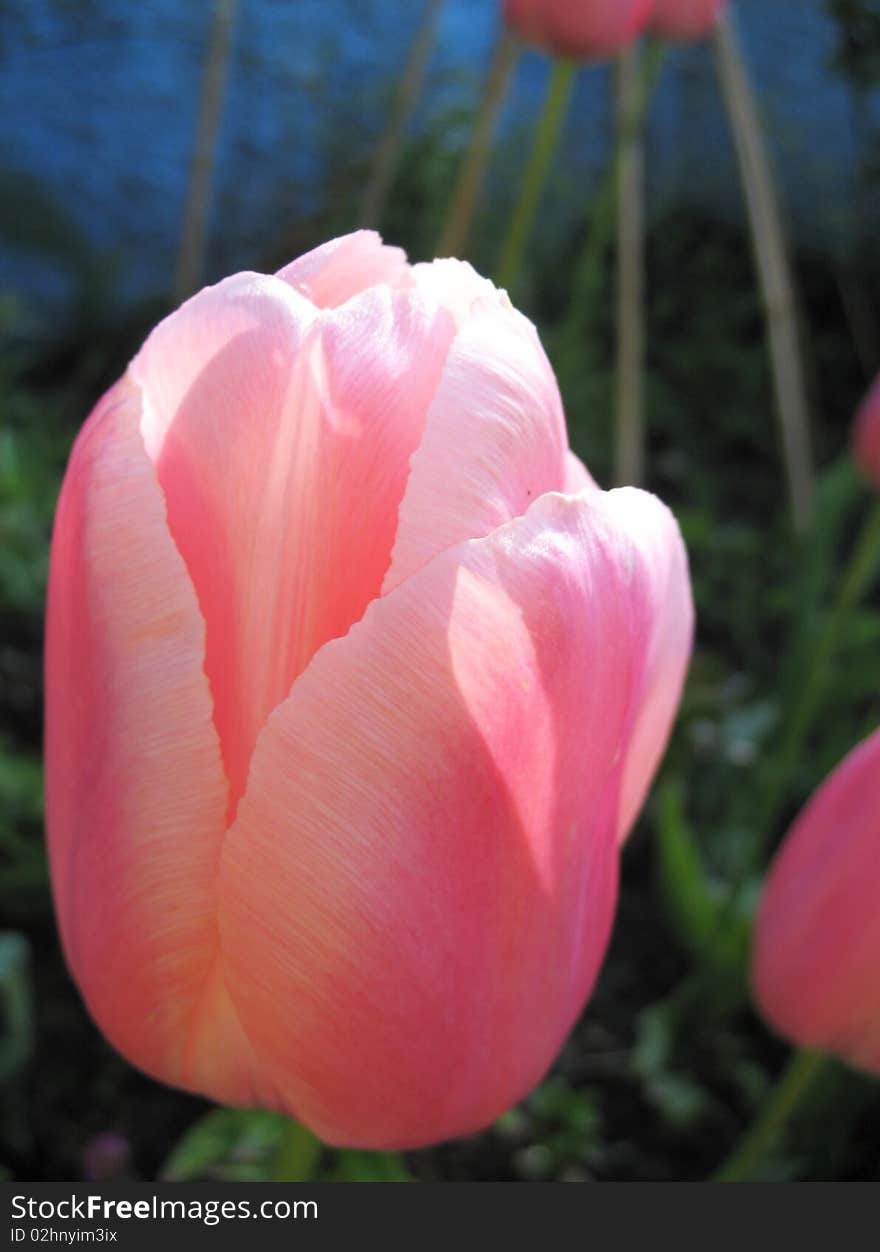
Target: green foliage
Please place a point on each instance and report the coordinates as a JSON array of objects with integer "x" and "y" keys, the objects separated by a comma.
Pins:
[
  {"x": 229, "y": 1145},
  {"x": 245, "y": 1145},
  {"x": 16, "y": 1007}
]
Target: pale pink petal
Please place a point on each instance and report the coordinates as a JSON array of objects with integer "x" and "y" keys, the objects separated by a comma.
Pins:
[
  {"x": 458, "y": 287},
  {"x": 334, "y": 272},
  {"x": 418, "y": 889},
  {"x": 669, "y": 616},
  {"x": 494, "y": 440},
  {"x": 816, "y": 953},
  {"x": 135, "y": 790},
  {"x": 577, "y": 476},
  {"x": 282, "y": 440}
]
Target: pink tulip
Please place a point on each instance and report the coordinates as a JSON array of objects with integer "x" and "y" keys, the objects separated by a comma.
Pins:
[
  {"x": 866, "y": 436},
  {"x": 817, "y": 943},
  {"x": 685, "y": 19},
  {"x": 581, "y": 29},
  {"x": 355, "y": 682}
]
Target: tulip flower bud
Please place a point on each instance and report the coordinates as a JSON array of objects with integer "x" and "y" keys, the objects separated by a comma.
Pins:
[
  {"x": 685, "y": 19},
  {"x": 817, "y": 938},
  {"x": 355, "y": 682},
  {"x": 866, "y": 436},
  {"x": 580, "y": 29}
]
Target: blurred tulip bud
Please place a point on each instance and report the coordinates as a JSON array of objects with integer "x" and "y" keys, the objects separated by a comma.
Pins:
[
  {"x": 817, "y": 940},
  {"x": 580, "y": 29},
  {"x": 866, "y": 436},
  {"x": 355, "y": 681},
  {"x": 685, "y": 19}
]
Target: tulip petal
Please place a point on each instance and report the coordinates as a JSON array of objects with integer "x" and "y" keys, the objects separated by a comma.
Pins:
[
  {"x": 135, "y": 789},
  {"x": 494, "y": 440},
  {"x": 669, "y": 615},
  {"x": 458, "y": 287},
  {"x": 577, "y": 476},
  {"x": 419, "y": 886},
  {"x": 282, "y": 439},
  {"x": 866, "y": 436},
  {"x": 334, "y": 272},
  {"x": 685, "y": 19},
  {"x": 578, "y": 30},
  {"x": 817, "y": 935}
]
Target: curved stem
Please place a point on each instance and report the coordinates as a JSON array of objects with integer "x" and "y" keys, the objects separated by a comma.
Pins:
[
  {"x": 774, "y": 271},
  {"x": 862, "y": 568},
  {"x": 388, "y": 152},
  {"x": 796, "y": 1081},
  {"x": 629, "y": 452},
  {"x": 194, "y": 237},
  {"x": 453, "y": 240},
  {"x": 544, "y": 146},
  {"x": 587, "y": 281},
  {"x": 297, "y": 1154}
]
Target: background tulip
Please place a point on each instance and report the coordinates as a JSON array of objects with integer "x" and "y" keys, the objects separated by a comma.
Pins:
[
  {"x": 348, "y": 706},
  {"x": 580, "y": 29},
  {"x": 866, "y": 437},
  {"x": 685, "y": 19},
  {"x": 817, "y": 940}
]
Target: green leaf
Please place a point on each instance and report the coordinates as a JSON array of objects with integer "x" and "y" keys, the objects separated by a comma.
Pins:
[
  {"x": 226, "y": 1143},
  {"x": 709, "y": 922}
]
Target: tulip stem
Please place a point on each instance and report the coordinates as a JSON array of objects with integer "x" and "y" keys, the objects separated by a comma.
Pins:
[
  {"x": 297, "y": 1155},
  {"x": 544, "y": 144},
  {"x": 454, "y": 238},
  {"x": 387, "y": 157},
  {"x": 588, "y": 270},
  {"x": 629, "y": 452},
  {"x": 796, "y": 1081},
  {"x": 774, "y": 271},
  {"x": 194, "y": 238},
  {"x": 861, "y": 570}
]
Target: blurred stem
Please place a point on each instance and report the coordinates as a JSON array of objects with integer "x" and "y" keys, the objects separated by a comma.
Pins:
[
  {"x": 546, "y": 139},
  {"x": 191, "y": 256},
  {"x": 297, "y": 1154},
  {"x": 629, "y": 452},
  {"x": 798, "y": 1078},
  {"x": 774, "y": 272},
  {"x": 587, "y": 282},
  {"x": 456, "y": 232},
  {"x": 860, "y": 572},
  {"x": 387, "y": 157}
]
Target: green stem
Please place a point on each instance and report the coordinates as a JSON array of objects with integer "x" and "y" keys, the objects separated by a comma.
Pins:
[
  {"x": 629, "y": 452},
  {"x": 194, "y": 237},
  {"x": 796, "y": 1081},
  {"x": 774, "y": 270},
  {"x": 544, "y": 145},
  {"x": 456, "y": 231},
  {"x": 387, "y": 158},
  {"x": 861, "y": 570},
  {"x": 297, "y": 1154},
  {"x": 589, "y": 268}
]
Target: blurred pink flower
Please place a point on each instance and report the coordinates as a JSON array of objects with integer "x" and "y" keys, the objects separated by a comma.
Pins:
[
  {"x": 817, "y": 940},
  {"x": 355, "y": 682},
  {"x": 581, "y": 29},
  {"x": 685, "y": 19},
  {"x": 866, "y": 436},
  {"x": 106, "y": 1156}
]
